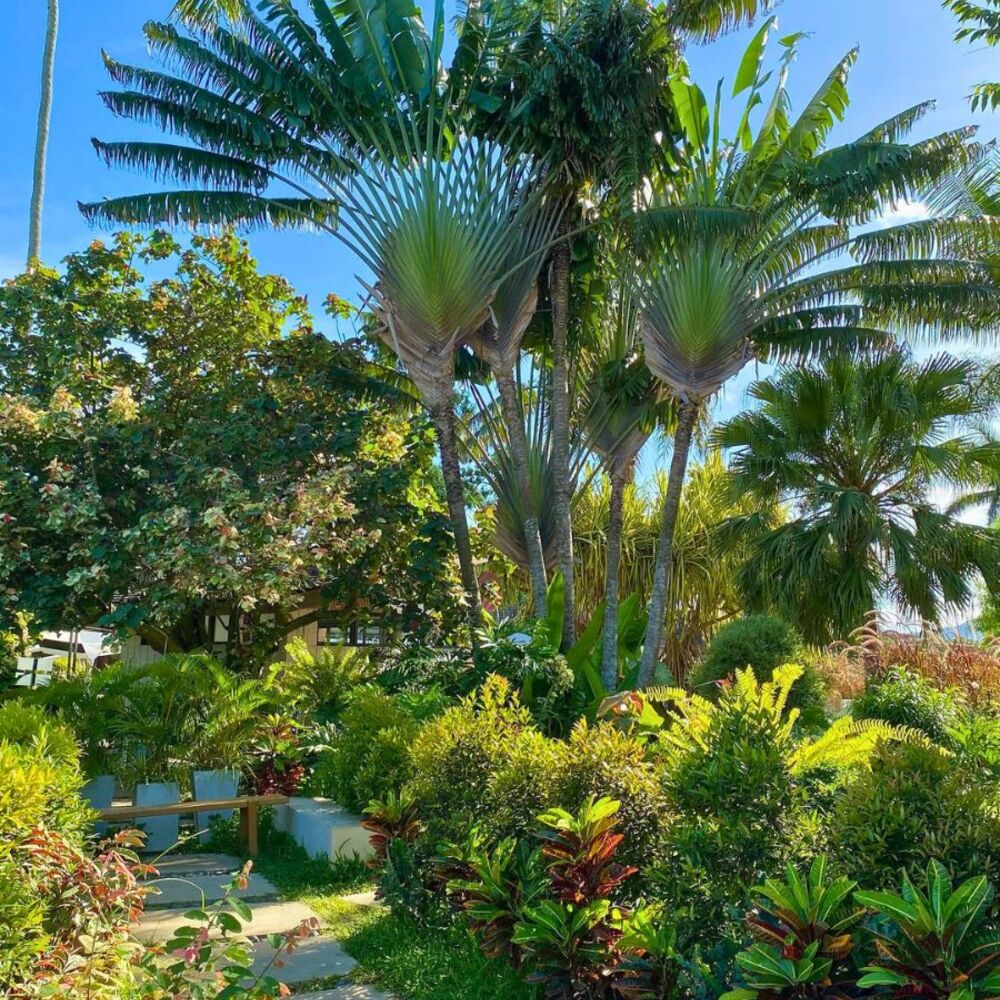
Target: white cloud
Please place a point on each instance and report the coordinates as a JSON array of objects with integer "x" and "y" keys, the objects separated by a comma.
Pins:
[{"x": 903, "y": 212}]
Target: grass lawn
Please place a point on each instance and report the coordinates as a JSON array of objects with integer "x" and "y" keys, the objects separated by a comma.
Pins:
[
  {"x": 392, "y": 952},
  {"x": 418, "y": 963}
]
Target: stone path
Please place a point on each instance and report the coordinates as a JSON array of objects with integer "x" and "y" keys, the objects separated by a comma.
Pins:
[{"x": 190, "y": 881}]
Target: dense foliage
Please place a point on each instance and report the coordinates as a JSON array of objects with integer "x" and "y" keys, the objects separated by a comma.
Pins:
[
  {"x": 191, "y": 446},
  {"x": 857, "y": 447}
]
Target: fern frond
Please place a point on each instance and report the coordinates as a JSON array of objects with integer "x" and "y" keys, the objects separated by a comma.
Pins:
[{"x": 849, "y": 743}]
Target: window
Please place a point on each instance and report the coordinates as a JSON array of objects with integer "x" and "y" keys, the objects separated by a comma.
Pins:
[{"x": 354, "y": 634}]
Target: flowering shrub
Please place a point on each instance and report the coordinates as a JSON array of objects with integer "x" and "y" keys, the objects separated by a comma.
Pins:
[{"x": 88, "y": 902}]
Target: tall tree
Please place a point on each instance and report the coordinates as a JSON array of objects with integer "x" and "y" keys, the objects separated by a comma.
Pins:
[
  {"x": 624, "y": 407},
  {"x": 583, "y": 85},
  {"x": 856, "y": 447},
  {"x": 498, "y": 343},
  {"x": 42, "y": 132},
  {"x": 176, "y": 448},
  {"x": 355, "y": 120},
  {"x": 584, "y": 90},
  {"x": 751, "y": 236}
]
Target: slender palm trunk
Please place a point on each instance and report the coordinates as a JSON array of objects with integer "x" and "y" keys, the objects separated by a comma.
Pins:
[
  {"x": 42, "y": 134},
  {"x": 664, "y": 554},
  {"x": 444, "y": 422},
  {"x": 609, "y": 651},
  {"x": 513, "y": 417},
  {"x": 560, "y": 427}
]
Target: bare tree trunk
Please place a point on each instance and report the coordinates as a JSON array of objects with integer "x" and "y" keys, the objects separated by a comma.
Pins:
[
  {"x": 42, "y": 134},
  {"x": 686, "y": 417},
  {"x": 609, "y": 653},
  {"x": 560, "y": 426},
  {"x": 514, "y": 419},
  {"x": 444, "y": 421}
]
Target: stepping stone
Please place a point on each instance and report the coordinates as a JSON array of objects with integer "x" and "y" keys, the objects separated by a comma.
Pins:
[
  {"x": 362, "y": 898},
  {"x": 313, "y": 958},
  {"x": 353, "y": 991},
  {"x": 268, "y": 918},
  {"x": 202, "y": 890}
]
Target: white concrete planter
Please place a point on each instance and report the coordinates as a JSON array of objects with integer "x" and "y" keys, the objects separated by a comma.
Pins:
[
  {"x": 224, "y": 784},
  {"x": 161, "y": 831},
  {"x": 323, "y": 828},
  {"x": 99, "y": 793}
]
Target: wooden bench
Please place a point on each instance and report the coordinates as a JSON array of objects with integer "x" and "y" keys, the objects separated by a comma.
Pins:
[{"x": 248, "y": 805}]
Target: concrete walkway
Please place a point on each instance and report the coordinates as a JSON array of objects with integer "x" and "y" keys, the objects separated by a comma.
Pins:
[{"x": 194, "y": 881}]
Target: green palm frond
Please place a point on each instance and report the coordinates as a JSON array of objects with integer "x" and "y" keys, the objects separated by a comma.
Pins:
[
  {"x": 855, "y": 445},
  {"x": 980, "y": 22},
  {"x": 214, "y": 208},
  {"x": 748, "y": 235},
  {"x": 705, "y": 20}
]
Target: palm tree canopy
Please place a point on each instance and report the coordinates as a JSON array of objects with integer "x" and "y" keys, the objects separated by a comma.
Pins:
[
  {"x": 857, "y": 447},
  {"x": 758, "y": 247},
  {"x": 349, "y": 124}
]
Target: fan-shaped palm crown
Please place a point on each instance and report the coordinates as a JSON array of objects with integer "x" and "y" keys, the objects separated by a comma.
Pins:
[{"x": 754, "y": 237}]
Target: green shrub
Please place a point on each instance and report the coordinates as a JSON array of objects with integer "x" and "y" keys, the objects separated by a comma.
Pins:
[
  {"x": 917, "y": 804},
  {"x": 417, "y": 667},
  {"x": 319, "y": 686},
  {"x": 538, "y": 672},
  {"x": 10, "y": 648},
  {"x": 738, "y": 814},
  {"x": 39, "y": 790},
  {"x": 601, "y": 761},
  {"x": 762, "y": 643},
  {"x": 370, "y": 756},
  {"x": 905, "y": 698},
  {"x": 40, "y": 764},
  {"x": 456, "y": 756},
  {"x": 22, "y": 930},
  {"x": 523, "y": 785},
  {"x": 28, "y": 725}
]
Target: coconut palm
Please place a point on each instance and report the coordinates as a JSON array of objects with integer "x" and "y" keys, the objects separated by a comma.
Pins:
[
  {"x": 857, "y": 447},
  {"x": 754, "y": 237},
  {"x": 351, "y": 127},
  {"x": 42, "y": 132}
]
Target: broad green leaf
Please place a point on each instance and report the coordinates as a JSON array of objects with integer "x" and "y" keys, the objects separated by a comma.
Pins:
[{"x": 749, "y": 69}]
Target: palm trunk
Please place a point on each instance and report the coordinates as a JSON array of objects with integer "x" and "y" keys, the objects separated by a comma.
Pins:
[
  {"x": 609, "y": 652},
  {"x": 444, "y": 422},
  {"x": 514, "y": 419},
  {"x": 42, "y": 134},
  {"x": 664, "y": 554},
  {"x": 560, "y": 427}
]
